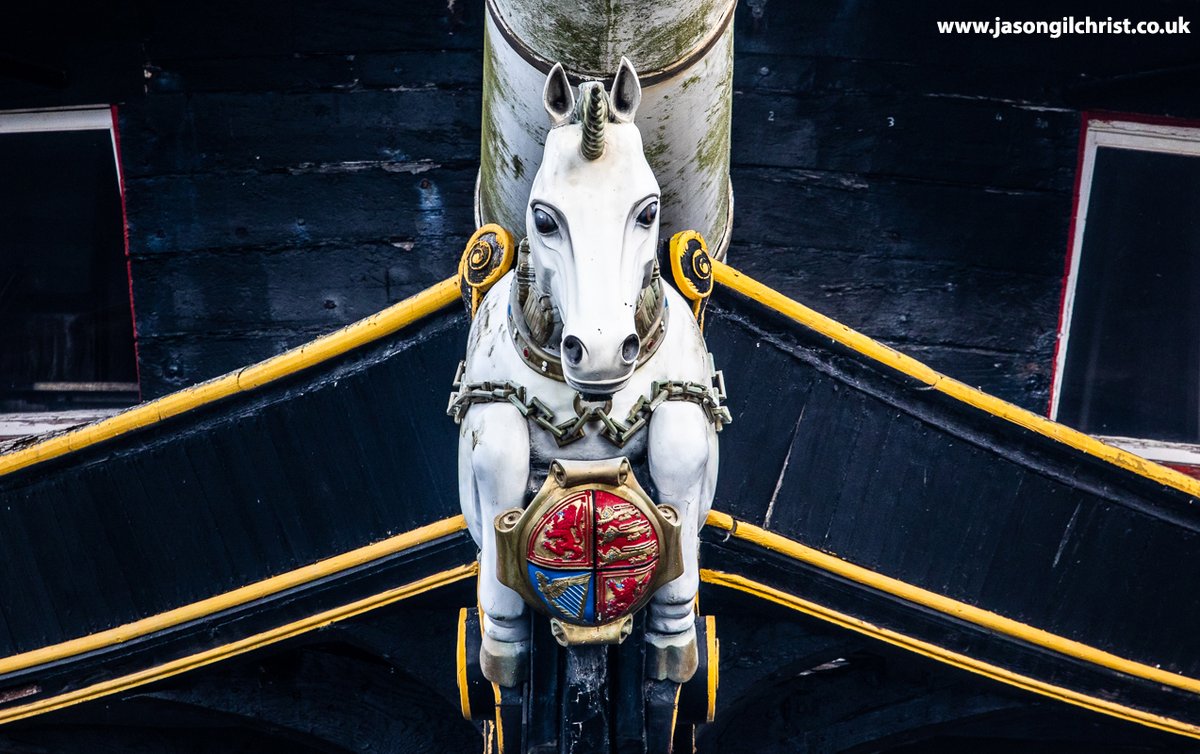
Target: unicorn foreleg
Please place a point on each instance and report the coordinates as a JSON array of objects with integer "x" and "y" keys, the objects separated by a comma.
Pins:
[
  {"x": 494, "y": 458},
  {"x": 682, "y": 450}
]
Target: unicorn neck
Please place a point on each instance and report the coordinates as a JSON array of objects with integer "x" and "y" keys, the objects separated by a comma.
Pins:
[{"x": 536, "y": 328}]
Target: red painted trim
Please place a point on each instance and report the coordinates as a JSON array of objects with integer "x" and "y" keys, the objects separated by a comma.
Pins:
[
  {"x": 1086, "y": 118},
  {"x": 1150, "y": 120},
  {"x": 1192, "y": 471},
  {"x": 116, "y": 135}
]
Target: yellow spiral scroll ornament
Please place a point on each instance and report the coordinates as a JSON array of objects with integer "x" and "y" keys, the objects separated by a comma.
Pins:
[
  {"x": 692, "y": 270},
  {"x": 488, "y": 255}
]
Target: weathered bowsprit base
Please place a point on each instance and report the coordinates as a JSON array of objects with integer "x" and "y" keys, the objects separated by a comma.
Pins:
[{"x": 587, "y": 699}]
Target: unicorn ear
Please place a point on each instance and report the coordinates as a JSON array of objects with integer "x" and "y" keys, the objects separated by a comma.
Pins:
[
  {"x": 626, "y": 92},
  {"x": 557, "y": 96}
]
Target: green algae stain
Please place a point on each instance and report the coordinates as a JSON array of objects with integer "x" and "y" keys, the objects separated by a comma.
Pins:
[
  {"x": 660, "y": 46},
  {"x": 494, "y": 152}
]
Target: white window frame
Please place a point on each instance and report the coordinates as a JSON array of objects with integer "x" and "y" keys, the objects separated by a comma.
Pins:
[
  {"x": 79, "y": 118},
  {"x": 1138, "y": 136},
  {"x": 83, "y": 118}
]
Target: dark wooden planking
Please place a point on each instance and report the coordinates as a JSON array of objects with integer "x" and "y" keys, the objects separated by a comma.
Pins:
[
  {"x": 97, "y": 563},
  {"x": 906, "y": 33},
  {"x": 177, "y": 214},
  {"x": 333, "y": 694},
  {"x": 263, "y": 483},
  {"x": 365, "y": 119},
  {"x": 788, "y": 680},
  {"x": 752, "y": 461},
  {"x": 896, "y": 299},
  {"x": 1018, "y": 231},
  {"x": 264, "y": 615},
  {"x": 995, "y": 144},
  {"x": 408, "y": 130},
  {"x": 237, "y": 510},
  {"x": 826, "y": 433},
  {"x": 286, "y": 123},
  {"x": 908, "y": 483},
  {"x": 309, "y": 289},
  {"x": 1164, "y": 91},
  {"x": 973, "y": 548},
  {"x": 841, "y": 515},
  {"x": 354, "y": 71},
  {"x": 286, "y": 695},
  {"x": 885, "y": 613},
  {"x": 205, "y": 733},
  {"x": 1020, "y": 81},
  {"x": 30, "y": 612},
  {"x": 787, "y": 71},
  {"x": 232, "y": 29},
  {"x": 236, "y": 492}
]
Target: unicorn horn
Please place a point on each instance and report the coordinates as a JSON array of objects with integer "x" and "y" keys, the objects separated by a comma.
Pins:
[{"x": 595, "y": 115}]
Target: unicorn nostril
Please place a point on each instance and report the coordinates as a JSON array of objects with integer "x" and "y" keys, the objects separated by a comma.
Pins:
[
  {"x": 630, "y": 348},
  {"x": 572, "y": 349}
]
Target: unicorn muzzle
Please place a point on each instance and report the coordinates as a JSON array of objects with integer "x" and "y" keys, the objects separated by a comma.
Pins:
[{"x": 600, "y": 366}]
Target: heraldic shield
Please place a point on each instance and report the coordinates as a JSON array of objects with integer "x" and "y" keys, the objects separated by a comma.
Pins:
[{"x": 590, "y": 549}]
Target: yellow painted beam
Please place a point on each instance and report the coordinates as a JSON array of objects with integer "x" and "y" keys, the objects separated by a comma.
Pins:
[
  {"x": 770, "y": 594},
  {"x": 362, "y": 332},
  {"x": 856, "y": 341},
  {"x": 239, "y": 596},
  {"x": 947, "y": 606},
  {"x": 242, "y": 646}
]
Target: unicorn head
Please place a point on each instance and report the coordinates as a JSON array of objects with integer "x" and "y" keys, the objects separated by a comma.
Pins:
[{"x": 592, "y": 224}]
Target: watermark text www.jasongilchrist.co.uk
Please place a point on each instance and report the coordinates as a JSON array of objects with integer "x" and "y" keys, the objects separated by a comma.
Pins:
[{"x": 1065, "y": 26}]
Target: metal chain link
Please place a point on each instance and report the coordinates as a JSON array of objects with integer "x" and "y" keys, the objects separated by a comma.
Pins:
[{"x": 615, "y": 430}]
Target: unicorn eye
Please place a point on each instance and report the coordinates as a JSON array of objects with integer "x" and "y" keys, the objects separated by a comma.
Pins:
[
  {"x": 544, "y": 223},
  {"x": 648, "y": 215}
]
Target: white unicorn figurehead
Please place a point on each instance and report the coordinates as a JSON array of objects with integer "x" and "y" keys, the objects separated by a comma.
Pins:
[{"x": 592, "y": 225}]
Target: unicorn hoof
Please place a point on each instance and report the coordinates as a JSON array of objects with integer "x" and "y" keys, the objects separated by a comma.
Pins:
[
  {"x": 504, "y": 663},
  {"x": 672, "y": 656}
]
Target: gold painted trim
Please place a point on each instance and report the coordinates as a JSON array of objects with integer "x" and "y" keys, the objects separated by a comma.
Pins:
[
  {"x": 460, "y": 664},
  {"x": 362, "y": 332},
  {"x": 234, "y": 598},
  {"x": 762, "y": 591},
  {"x": 907, "y": 365},
  {"x": 947, "y": 606},
  {"x": 242, "y": 646}
]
